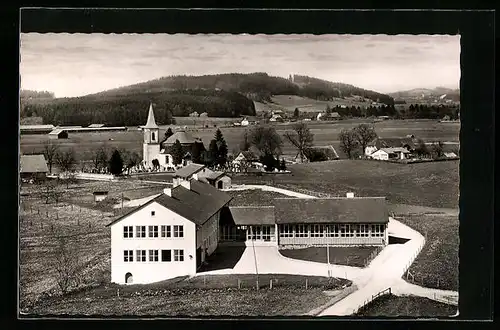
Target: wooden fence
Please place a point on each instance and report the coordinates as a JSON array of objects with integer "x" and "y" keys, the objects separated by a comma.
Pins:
[{"x": 363, "y": 306}]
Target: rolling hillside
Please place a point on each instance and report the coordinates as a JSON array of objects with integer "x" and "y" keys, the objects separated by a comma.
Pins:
[
  {"x": 438, "y": 94},
  {"x": 223, "y": 95}
]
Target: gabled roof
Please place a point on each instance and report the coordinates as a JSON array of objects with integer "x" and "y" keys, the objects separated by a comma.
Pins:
[
  {"x": 392, "y": 142},
  {"x": 182, "y": 136},
  {"x": 215, "y": 175},
  {"x": 394, "y": 150},
  {"x": 248, "y": 215},
  {"x": 197, "y": 204},
  {"x": 187, "y": 171},
  {"x": 96, "y": 125},
  {"x": 33, "y": 164},
  {"x": 57, "y": 131},
  {"x": 151, "y": 123},
  {"x": 331, "y": 210},
  {"x": 248, "y": 155}
]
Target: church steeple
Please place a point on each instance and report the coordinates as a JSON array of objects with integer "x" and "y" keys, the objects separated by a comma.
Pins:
[{"x": 151, "y": 123}]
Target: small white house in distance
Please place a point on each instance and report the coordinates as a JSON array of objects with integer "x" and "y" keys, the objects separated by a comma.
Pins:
[
  {"x": 244, "y": 122},
  {"x": 390, "y": 153},
  {"x": 169, "y": 236}
]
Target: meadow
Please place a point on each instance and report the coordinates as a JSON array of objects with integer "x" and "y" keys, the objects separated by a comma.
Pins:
[{"x": 325, "y": 133}]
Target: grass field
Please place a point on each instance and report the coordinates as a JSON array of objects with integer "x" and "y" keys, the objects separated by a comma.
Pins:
[
  {"x": 426, "y": 184},
  {"x": 407, "y": 306},
  {"x": 437, "y": 264},
  {"x": 349, "y": 256},
  {"x": 325, "y": 133}
]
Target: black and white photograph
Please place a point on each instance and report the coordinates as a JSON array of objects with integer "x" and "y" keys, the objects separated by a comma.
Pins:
[{"x": 202, "y": 175}]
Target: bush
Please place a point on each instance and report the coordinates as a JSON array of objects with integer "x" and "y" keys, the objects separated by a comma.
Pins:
[{"x": 315, "y": 155}]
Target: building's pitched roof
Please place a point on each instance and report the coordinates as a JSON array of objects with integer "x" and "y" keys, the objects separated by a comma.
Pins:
[
  {"x": 197, "y": 204},
  {"x": 392, "y": 142},
  {"x": 33, "y": 164},
  {"x": 215, "y": 175},
  {"x": 151, "y": 123},
  {"x": 57, "y": 131},
  {"x": 35, "y": 127},
  {"x": 248, "y": 215},
  {"x": 183, "y": 137},
  {"x": 329, "y": 150},
  {"x": 394, "y": 150},
  {"x": 249, "y": 155},
  {"x": 188, "y": 170},
  {"x": 331, "y": 210},
  {"x": 96, "y": 125},
  {"x": 334, "y": 115}
]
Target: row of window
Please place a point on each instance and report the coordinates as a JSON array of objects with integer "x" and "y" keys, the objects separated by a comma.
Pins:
[
  {"x": 140, "y": 255},
  {"x": 337, "y": 230},
  {"x": 165, "y": 231}
]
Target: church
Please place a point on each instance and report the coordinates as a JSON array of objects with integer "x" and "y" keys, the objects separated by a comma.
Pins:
[{"x": 153, "y": 148}]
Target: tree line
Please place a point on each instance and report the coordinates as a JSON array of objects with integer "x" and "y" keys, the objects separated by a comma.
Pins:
[
  {"x": 131, "y": 109},
  {"x": 419, "y": 111}
]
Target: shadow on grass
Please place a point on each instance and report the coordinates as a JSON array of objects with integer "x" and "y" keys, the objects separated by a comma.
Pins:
[{"x": 223, "y": 257}]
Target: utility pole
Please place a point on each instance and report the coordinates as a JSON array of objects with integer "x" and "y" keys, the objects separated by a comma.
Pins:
[
  {"x": 328, "y": 249},
  {"x": 122, "y": 200}
]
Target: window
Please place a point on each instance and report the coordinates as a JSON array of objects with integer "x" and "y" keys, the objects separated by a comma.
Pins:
[
  {"x": 316, "y": 231},
  {"x": 153, "y": 255},
  {"x": 140, "y": 231},
  {"x": 178, "y": 231},
  {"x": 343, "y": 229},
  {"x": 377, "y": 230},
  {"x": 153, "y": 231},
  {"x": 166, "y": 255},
  {"x": 152, "y": 213},
  {"x": 332, "y": 230},
  {"x": 128, "y": 256},
  {"x": 152, "y": 136},
  {"x": 301, "y": 231},
  {"x": 362, "y": 231},
  {"x": 140, "y": 255},
  {"x": 178, "y": 255},
  {"x": 165, "y": 231},
  {"x": 350, "y": 230},
  {"x": 128, "y": 231},
  {"x": 286, "y": 231}
]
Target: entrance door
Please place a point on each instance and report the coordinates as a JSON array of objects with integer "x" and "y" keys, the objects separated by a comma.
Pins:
[{"x": 129, "y": 279}]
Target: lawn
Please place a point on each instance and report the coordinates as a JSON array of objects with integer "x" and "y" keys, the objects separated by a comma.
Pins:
[
  {"x": 424, "y": 184},
  {"x": 408, "y": 306},
  {"x": 349, "y": 256},
  {"x": 325, "y": 133},
  {"x": 254, "y": 197},
  {"x": 437, "y": 264},
  {"x": 200, "y": 296}
]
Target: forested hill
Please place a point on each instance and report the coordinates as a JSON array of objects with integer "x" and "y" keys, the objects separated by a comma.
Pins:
[{"x": 221, "y": 95}]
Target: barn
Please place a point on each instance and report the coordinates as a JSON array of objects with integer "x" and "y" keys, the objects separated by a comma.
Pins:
[{"x": 58, "y": 134}]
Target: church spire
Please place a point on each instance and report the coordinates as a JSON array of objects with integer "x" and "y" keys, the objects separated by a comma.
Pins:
[{"x": 151, "y": 123}]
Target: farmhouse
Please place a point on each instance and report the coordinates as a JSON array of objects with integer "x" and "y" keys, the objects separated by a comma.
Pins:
[
  {"x": 169, "y": 236},
  {"x": 100, "y": 195},
  {"x": 409, "y": 143},
  {"x": 390, "y": 153},
  {"x": 33, "y": 167},
  {"x": 58, "y": 134},
  {"x": 36, "y": 129},
  {"x": 309, "y": 222},
  {"x": 244, "y": 122},
  {"x": 200, "y": 172}
]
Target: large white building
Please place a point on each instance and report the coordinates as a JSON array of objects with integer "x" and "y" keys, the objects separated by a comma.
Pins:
[{"x": 169, "y": 236}]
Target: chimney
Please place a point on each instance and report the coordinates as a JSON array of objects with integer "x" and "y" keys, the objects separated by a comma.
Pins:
[
  {"x": 168, "y": 192},
  {"x": 186, "y": 184},
  {"x": 350, "y": 195}
]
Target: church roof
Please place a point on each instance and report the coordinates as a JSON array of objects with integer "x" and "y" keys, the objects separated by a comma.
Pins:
[
  {"x": 151, "y": 123},
  {"x": 182, "y": 136}
]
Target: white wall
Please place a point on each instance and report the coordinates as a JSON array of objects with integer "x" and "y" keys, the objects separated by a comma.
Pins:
[
  {"x": 369, "y": 150},
  {"x": 380, "y": 155},
  {"x": 148, "y": 272},
  {"x": 150, "y": 152}
]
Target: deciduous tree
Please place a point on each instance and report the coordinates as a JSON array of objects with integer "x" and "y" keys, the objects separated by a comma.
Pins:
[
  {"x": 66, "y": 160},
  {"x": 348, "y": 142},
  {"x": 177, "y": 153},
  {"x": 65, "y": 263},
  {"x": 301, "y": 138},
  {"x": 266, "y": 140},
  {"x": 364, "y": 134},
  {"x": 50, "y": 151}
]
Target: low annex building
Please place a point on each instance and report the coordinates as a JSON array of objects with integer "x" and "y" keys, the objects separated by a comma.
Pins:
[
  {"x": 218, "y": 179},
  {"x": 301, "y": 222},
  {"x": 169, "y": 236},
  {"x": 33, "y": 167}
]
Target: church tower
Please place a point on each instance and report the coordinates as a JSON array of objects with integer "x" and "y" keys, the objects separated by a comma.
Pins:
[{"x": 151, "y": 145}]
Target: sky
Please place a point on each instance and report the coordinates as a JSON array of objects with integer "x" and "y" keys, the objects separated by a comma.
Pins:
[{"x": 79, "y": 64}]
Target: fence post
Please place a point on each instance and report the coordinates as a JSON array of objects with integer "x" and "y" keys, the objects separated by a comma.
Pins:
[
  {"x": 270, "y": 283},
  {"x": 204, "y": 280},
  {"x": 239, "y": 284},
  {"x": 306, "y": 283},
  {"x": 38, "y": 211},
  {"x": 438, "y": 283},
  {"x": 71, "y": 207},
  {"x": 57, "y": 216},
  {"x": 78, "y": 221},
  {"x": 47, "y": 213},
  {"x": 118, "y": 292},
  {"x": 41, "y": 224},
  {"x": 257, "y": 283}
]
